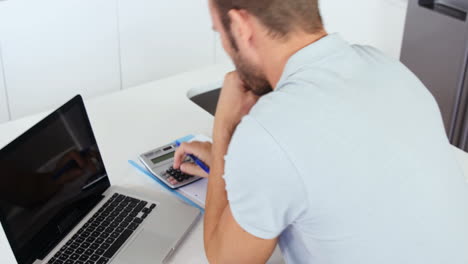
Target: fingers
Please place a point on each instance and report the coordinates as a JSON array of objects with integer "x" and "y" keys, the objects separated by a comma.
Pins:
[
  {"x": 193, "y": 169},
  {"x": 179, "y": 155},
  {"x": 202, "y": 150}
]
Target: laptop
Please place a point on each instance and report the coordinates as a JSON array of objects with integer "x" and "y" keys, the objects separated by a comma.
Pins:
[{"x": 58, "y": 206}]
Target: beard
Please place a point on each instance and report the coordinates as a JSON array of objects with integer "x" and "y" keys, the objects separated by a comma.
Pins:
[{"x": 254, "y": 79}]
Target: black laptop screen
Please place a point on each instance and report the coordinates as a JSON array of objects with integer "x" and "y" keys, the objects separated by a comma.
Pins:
[{"x": 50, "y": 178}]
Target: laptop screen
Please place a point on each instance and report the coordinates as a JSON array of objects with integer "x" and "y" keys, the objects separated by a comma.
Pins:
[{"x": 50, "y": 178}]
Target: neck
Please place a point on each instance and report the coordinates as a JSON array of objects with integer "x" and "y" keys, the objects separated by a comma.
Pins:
[{"x": 283, "y": 51}]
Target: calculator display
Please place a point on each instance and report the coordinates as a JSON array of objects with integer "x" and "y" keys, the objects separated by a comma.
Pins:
[{"x": 163, "y": 158}]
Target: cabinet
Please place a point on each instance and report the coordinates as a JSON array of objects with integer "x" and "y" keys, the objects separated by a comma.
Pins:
[
  {"x": 4, "y": 116},
  {"x": 159, "y": 38},
  {"x": 54, "y": 49}
]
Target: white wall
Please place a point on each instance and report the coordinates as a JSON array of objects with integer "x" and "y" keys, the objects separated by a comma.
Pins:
[
  {"x": 54, "y": 49},
  {"x": 159, "y": 38},
  {"x": 379, "y": 23},
  {"x": 221, "y": 56},
  {"x": 4, "y": 116}
]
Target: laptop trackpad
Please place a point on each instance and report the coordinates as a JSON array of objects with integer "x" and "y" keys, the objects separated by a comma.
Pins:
[{"x": 146, "y": 247}]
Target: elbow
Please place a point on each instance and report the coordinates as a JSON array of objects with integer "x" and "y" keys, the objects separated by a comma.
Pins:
[
  {"x": 217, "y": 259},
  {"x": 209, "y": 251},
  {"x": 212, "y": 252},
  {"x": 215, "y": 256},
  {"x": 211, "y": 259}
]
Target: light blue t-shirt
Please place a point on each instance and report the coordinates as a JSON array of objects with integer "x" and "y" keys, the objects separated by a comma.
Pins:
[{"x": 347, "y": 161}]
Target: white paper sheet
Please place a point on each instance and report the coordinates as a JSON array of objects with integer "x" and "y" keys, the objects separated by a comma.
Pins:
[{"x": 196, "y": 191}]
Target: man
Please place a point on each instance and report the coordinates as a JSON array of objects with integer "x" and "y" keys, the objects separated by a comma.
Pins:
[{"x": 334, "y": 151}]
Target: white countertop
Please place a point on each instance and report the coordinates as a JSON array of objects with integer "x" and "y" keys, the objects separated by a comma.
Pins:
[{"x": 135, "y": 120}]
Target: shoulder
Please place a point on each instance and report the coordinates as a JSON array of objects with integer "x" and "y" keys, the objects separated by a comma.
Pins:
[
  {"x": 367, "y": 51},
  {"x": 373, "y": 57}
]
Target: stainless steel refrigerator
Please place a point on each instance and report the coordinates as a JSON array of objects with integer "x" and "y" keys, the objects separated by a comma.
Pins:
[{"x": 435, "y": 48}]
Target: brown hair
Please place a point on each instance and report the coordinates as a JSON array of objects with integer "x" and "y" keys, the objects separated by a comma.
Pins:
[{"x": 279, "y": 16}]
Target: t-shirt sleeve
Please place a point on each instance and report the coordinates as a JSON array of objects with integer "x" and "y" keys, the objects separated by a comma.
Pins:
[{"x": 264, "y": 191}]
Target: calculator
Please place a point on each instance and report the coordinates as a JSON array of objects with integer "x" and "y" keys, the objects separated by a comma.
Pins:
[{"x": 159, "y": 162}]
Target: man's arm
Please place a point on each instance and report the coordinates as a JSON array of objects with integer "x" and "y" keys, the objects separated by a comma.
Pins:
[{"x": 225, "y": 241}]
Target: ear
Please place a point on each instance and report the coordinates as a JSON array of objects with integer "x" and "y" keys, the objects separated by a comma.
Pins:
[{"x": 242, "y": 28}]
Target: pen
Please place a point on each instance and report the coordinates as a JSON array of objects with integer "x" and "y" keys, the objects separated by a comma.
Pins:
[{"x": 197, "y": 161}]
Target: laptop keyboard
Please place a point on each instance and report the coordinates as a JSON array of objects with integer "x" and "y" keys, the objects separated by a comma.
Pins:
[{"x": 103, "y": 234}]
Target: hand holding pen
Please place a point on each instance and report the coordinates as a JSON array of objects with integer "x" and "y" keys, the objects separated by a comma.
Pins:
[{"x": 199, "y": 152}]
